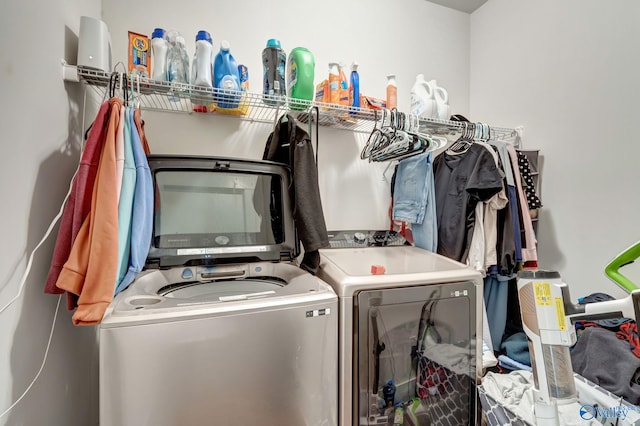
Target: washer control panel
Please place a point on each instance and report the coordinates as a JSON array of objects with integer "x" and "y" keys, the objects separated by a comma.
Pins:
[{"x": 355, "y": 239}]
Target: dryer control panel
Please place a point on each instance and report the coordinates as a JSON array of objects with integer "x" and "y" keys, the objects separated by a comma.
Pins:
[{"x": 355, "y": 239}]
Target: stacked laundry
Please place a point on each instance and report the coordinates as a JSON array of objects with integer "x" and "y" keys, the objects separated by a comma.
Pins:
[
  {"x": 513, "y": 393},
  {"x": 608, "y": 357},
  {"x": 106, "y": 227}
]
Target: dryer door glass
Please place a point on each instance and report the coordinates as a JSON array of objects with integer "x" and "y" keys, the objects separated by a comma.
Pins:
[{"x": 416, "y": 347}]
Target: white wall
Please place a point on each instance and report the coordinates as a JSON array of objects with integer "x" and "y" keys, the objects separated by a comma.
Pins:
[
  {"x": 418, "y": 37},
  {"x": 568, "y": 71},
  {"x": 40, "y": 122}
]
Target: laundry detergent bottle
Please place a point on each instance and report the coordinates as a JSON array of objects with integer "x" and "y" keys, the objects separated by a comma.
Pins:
[
  {"x": 300, "y": 74},
  {"x": 226, "y": 78},
  {"x": 202, "y": 60},
  {"x": 423, "y": 103},
  {"x": 159, "y": 49},
  {"x": 274, "y": 61},
  {"x": 392, "y": 92},
  {"x": 389, "y": 393},
  {"x": 334, "y": 83}
]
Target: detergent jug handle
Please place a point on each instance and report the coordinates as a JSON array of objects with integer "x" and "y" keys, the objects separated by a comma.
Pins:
[
  {"x": 441, "y": 95},
  {"x": 428, "y": 87},
  {"x": 625, "y": 258}
]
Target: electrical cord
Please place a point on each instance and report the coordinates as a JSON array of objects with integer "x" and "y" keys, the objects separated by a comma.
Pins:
[
  {"x": 30, "y": 263},
  {"x": 44, "y": 360},
  {"x": 44, "y": 238},
  {"x": 21, "y": 288}
]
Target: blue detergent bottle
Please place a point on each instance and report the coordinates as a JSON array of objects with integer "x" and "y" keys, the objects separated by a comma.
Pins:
[
  {"x": 226, "y": 78},
  {"x": 389, "y": 393}
]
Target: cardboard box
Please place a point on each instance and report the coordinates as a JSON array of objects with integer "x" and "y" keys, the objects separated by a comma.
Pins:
[{"x": 139, "y": 57}]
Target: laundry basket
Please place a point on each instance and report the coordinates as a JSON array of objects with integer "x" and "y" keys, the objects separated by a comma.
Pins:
[
  {"x": 496, "y": 414},
  {"x": 445, "y": 374},
  {"x": 597, "y": 404},
  {"x": 443, "y": 393}
]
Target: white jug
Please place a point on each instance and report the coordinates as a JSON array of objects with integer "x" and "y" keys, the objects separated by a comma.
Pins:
[
  {"x": 423, "y": 103},
  {"x": 442, "y": 102}
]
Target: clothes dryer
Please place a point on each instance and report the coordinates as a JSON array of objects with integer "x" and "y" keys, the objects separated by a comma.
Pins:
[
  {"x": 222, "y": 328},
  {"x": 418, "y": 324}
]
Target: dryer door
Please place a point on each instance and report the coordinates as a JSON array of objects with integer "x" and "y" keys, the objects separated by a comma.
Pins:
[{"x": 423, "y": 340}]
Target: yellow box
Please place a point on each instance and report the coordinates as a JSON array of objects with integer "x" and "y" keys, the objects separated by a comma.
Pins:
[{"x": 139, "y": 58}]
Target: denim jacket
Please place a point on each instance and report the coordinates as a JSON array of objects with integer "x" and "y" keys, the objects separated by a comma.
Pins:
[{"x": 414, "y": 199}]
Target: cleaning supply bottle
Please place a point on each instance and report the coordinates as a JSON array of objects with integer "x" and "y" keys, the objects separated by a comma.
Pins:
[
  {"x": 202, "y": 60},
  {"x": 423, "y": 103},
  {"x": 344, "y": 87},
  {"x": 334, "y": 83},
  {"x": 392, "y": 92},
  {"x": 354, "y": 87},
  {"x": 274, "y": 60},
  {"x": 389, "y": 393},
  {"x": 177, "y": 63},
  {"x": 243, "y": 72},
  {"x": 300, "y": 74},
  {"x": 159, "y": 49},
  {"x": 226, "y": 78}
]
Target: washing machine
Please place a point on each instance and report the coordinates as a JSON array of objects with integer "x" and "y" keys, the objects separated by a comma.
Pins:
[
  {"x": 222, "y": 327},
  {"x": 409, "y": 332}
]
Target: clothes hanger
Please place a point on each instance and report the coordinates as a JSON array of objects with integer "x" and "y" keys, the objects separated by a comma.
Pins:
[
  {"x": 375, "y": 134},
  {"x": 135, "y": 91},
  {"x": 465, "y": 140},
  {"x": 317, "y": 121},
  {"x": 401, "y": 142},
  {"x": 113, "y": 79}
]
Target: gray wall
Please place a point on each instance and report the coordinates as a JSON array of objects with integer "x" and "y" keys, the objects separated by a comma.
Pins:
[
  {"x": 568, "y": 71},
  {"x": 41, "y": 125}
]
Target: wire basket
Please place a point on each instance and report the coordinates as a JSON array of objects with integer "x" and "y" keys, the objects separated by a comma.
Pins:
[
  {"x": 496, "y": 414},
  {"x": 444, "y": 394}
]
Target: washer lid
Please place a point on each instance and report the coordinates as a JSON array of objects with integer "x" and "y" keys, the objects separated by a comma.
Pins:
[
  {"x": 212, "y": 210},
  {"x": 395, "y": 260},
  {"x": 351, "y": 270}
]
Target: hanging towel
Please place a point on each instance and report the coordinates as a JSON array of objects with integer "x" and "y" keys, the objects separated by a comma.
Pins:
[
  {"x": 79, "y": 203},
  {"x": 90, "y": 271}
]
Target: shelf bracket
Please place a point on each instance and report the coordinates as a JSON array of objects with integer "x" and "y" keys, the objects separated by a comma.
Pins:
[{"x": 69, "y": 72}]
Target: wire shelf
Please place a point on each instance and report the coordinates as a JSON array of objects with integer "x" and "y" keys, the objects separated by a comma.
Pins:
[{"x": 188, "y": 98}]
